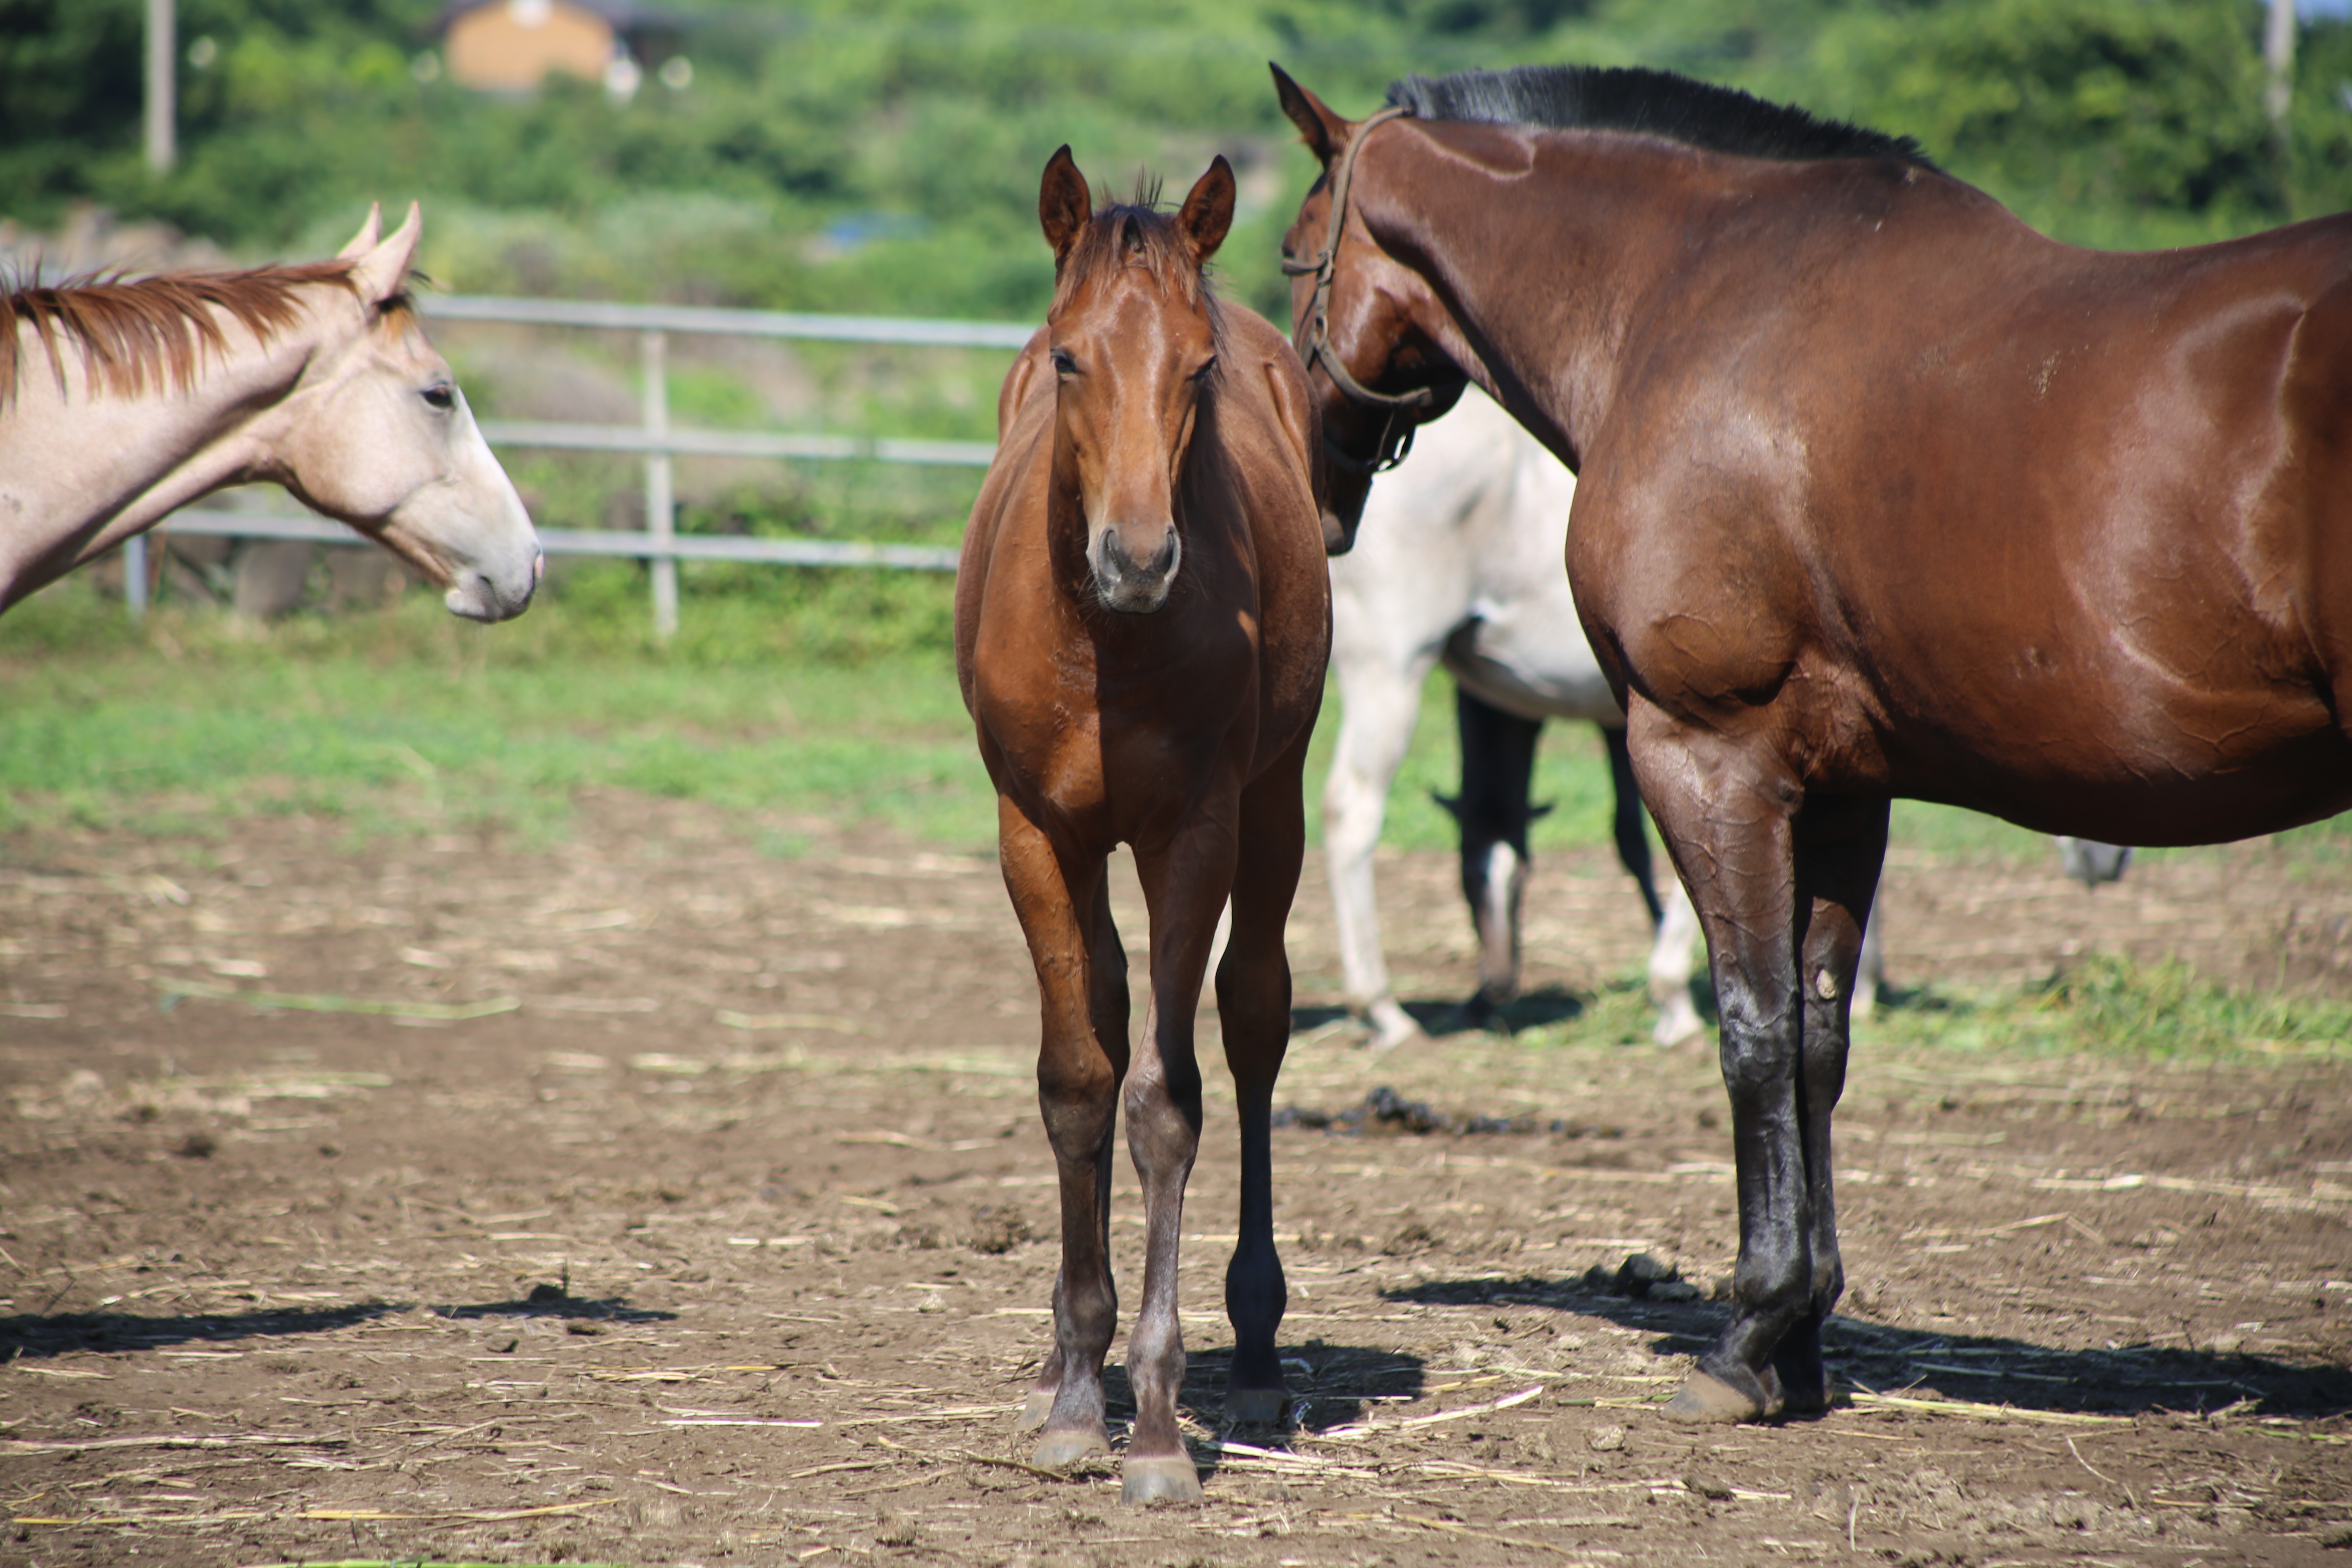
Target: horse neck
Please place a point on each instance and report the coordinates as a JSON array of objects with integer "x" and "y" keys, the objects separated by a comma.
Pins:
[
  {"x": 1538, "y": 321},
  {"x": 84, "y": 468}
]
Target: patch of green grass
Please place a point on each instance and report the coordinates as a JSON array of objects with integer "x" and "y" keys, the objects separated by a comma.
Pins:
[
  {"x": 805, "y": 692},
  {"x": 2108, "y": 1006},
  {"x": 407, "y": 719}
]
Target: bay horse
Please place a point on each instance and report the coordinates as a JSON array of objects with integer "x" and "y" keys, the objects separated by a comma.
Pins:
[
  {"x": 121, "y": 402},
  {"x": 1455, "y": 564},
  {"x": 1882, "y": 493},
  {"x": 1142, "y": 620}
]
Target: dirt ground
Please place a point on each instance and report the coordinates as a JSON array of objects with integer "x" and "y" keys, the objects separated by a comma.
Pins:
[{"x": 678, "y": 1204}]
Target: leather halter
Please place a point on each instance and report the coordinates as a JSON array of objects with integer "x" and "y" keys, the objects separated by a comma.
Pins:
[{"x": 1318, "y": 319}]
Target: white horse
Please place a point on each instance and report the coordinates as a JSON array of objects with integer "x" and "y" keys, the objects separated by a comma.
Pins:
[
  {"x": 1459, "y": 559},
  {"x": 121, "y": 402}
]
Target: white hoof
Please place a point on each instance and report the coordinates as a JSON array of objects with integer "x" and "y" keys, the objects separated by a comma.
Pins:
[
  {"x": 1391, "y": 1027},
  {"x": 1678, "y": 1021}
]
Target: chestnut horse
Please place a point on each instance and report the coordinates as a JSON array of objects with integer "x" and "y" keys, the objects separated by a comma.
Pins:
[
  {"x": 121, "y": 402},
  {"x": 1881, "y": 493},
  {"x": 1142, "y": 618}
]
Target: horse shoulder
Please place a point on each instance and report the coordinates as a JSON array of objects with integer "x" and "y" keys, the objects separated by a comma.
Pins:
[{"x": 1011, "y": 494}]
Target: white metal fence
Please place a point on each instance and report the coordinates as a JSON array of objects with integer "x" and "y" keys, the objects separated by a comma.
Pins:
[{"x": 660, "y": 443}]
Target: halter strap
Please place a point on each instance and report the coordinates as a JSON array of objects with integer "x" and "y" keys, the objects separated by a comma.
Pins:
[{"x": 1318, "y": 319}]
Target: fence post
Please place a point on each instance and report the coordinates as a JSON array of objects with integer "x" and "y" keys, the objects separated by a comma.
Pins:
[
  {"x": 134, "y": 577},
  {"x": 660, "y": 500}
]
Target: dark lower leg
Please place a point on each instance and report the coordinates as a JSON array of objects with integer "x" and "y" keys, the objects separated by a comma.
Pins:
[
  {"x": 1498, "y": 759},
  {"x": 1840, "y": 848},
  {"x": 1254, "y": 1003},
  {"x": 1632, "y": 843},
  {"x": 1726, "y": 804}
]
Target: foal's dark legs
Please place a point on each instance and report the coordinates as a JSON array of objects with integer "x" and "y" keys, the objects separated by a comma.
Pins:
[
  {"x": 1498, "y": 761},
  {"x": 1253, "y": 1001},
  {"x": 1065, "y": 911}
]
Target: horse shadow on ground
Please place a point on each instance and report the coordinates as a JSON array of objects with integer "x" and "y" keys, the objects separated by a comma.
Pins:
[
  {"x": 554, "y": 1302},
  {"x": 1331, "y": 1385},
  {"x": 1874, "y": 1358},
  {"x": 38, "y": 1336},
  {"x": 1540, "y": 1008}
]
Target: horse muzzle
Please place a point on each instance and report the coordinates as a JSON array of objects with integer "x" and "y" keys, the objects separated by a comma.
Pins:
[{"x": 1130, "y": 585}]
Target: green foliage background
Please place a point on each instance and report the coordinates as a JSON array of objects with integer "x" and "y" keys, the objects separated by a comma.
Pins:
[{"x": 912, "y": 130}]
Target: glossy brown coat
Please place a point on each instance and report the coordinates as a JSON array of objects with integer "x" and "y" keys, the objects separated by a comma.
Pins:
[
  {"x": 1142, "y": 619},
  {"x": 1881, "y": 493}
]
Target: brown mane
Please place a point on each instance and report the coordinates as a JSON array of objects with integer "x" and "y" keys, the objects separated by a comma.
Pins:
[
  {"x": 1137, "y": 234},
  {"x": 156, "y": 330}
]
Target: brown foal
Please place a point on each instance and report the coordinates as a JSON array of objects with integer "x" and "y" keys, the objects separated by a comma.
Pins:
[
  {"x": 1881, "y": 493},
  {"x": 1142, "y": 618}
]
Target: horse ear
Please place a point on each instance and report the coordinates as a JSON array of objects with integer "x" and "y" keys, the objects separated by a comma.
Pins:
[
  {"x": 1065, "y": 205},
  {"x": 1208, "y": 211},
  {"x": 370, "y": 234},
  {"x": 1324, "y": 131},
  {"x": 378, "y": 274}
]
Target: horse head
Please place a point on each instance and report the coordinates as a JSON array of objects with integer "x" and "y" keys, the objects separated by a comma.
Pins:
[
  {"x": 378, "y": 435},
  {"x": 1368, "y": 346},
  {"x": 1134, "y": 333}
]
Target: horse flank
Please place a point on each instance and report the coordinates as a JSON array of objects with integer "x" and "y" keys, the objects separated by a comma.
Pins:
[
  {"x": 154, "y": 332},
  {"x": 1646, "y": 103}
]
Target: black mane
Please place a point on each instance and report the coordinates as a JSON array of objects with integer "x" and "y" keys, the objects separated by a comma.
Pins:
[{"x": 1648, "y": 104}]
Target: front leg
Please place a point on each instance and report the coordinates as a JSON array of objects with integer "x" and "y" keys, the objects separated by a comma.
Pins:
[
  {"x": 1726, "y": 807},
  {"x": 1079, "y": 1066},
  {"x": 1840, "y": 848},
  {"x": 1253, "y": 1005},
  {"x": 1185, "y": 883}
]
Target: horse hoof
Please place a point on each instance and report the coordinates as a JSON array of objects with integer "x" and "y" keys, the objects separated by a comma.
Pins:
[
  {"x": 1677, "y": 1024},
  {"x": 1160, "y": 1479},
  {"x": 1033, "y": 1415},
  {"x": 1710, "y": 1401},
  {"x": 1257, "y": 1406},
  {"x": 1056, "y": 1449},
  {"x": 1391, "y": 1027}
]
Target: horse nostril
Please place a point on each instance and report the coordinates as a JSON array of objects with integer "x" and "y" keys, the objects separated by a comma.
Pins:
[{"x": 1163, "y": 559}]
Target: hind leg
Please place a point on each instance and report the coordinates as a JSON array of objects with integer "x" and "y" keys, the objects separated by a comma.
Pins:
[
  {"x": 1063, "y": 906},
  {"x": 1499, "y": 763},
  {"x": 1253, "y": 1001}
]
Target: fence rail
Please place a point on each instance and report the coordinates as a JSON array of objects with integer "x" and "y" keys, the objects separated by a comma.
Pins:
[{"x": 659, "y": 443}]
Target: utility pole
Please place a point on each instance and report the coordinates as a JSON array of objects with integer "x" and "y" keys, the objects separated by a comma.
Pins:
[
  {"x": 162, "y": 48},
  {"x": 2278, "y": 95}
]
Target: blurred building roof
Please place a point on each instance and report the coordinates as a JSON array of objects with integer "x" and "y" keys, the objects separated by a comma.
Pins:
[{"x": 508, "y": 45}]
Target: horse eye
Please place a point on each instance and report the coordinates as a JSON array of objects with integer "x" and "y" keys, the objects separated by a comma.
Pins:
[
  {"x": 1063, "y": 363},
  {"x": 1206, "y": 371},
  {"x": 441, "y": 397}
]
